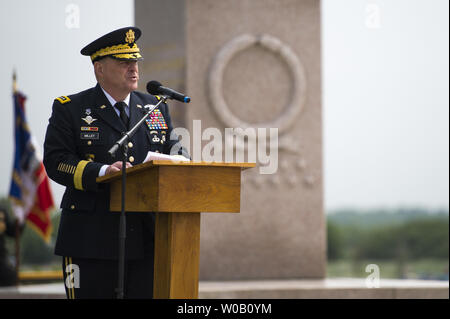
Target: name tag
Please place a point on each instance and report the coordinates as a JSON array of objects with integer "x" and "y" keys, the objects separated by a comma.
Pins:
[{"x": 89, "y": 136}]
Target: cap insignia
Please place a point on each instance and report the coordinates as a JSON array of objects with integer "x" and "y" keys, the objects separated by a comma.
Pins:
[{"x": 129, "y": 36}]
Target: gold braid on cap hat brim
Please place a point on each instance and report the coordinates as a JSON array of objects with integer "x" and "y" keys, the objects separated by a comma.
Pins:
[{"x": 121, "y": 49}]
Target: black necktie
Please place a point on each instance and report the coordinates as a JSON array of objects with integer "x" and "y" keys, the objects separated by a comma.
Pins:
[{"x": 123, "y": 115}]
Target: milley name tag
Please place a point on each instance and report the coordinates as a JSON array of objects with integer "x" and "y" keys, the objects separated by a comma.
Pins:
[{"x": 89, "y": 136}]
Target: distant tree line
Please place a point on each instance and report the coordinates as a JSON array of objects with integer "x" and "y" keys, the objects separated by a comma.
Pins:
[
  {"x": 33, "y": 249},
  {"x": 399, "y": 235}
]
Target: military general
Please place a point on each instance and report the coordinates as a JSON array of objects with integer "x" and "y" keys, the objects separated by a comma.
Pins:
[{"x": 81, "y": 130}]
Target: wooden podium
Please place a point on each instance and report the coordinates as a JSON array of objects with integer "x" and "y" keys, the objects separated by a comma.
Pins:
[{"x": 178, "y": 192}]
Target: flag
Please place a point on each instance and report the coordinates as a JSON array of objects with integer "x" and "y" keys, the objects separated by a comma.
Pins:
[{"x": 30, "y": 193}]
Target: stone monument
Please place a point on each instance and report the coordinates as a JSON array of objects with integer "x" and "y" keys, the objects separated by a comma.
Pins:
[{"x": 250, "y": 64}]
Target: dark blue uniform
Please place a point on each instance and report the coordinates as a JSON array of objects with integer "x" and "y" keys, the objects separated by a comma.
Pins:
[
  {"x": 81, "y": 130},
  {"x": 8, "y": 276}
]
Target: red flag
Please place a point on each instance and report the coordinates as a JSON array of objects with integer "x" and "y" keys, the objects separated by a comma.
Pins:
[{"x": 39, "y": 216}]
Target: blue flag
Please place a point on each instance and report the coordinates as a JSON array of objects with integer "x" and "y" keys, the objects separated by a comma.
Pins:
[{"x": 29, "y": 192}]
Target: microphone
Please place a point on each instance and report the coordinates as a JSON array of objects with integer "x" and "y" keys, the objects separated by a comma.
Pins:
[{"x": 155, "y": 88}]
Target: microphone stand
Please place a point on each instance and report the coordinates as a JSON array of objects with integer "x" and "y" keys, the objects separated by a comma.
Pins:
[{"x": 122, "y": 144}]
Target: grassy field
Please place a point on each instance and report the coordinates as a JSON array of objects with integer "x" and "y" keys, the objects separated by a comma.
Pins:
[{"x": 421, "y": 269}]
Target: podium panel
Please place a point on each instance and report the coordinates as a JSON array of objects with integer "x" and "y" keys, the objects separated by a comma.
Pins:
[
  {"x": 177, "y": 193},
  {"x": 177, "y": 255}
]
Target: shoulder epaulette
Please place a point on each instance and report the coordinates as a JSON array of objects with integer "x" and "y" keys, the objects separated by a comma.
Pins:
[{"x": 63, "y": 99}]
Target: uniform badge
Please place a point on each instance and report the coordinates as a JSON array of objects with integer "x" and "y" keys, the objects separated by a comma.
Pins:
[
  {"x": 155, "y": 138},
  {"x": 87, "y": 111},
  {"x": 89, "y": 136},
  {"x": 63, "y": 99},
  {"x": 103, "y": 106},
  {"x": 89, "y": 128},
  {"x": 89, "y": 119},
  {"x": 156, "y": 121},
  {"x": 129, "y": 36}
]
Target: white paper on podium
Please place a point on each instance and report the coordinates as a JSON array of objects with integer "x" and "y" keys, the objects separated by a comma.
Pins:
[{"x": 153, "y": 156}]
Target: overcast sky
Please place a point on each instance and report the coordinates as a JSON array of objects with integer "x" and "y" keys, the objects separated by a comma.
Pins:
[
  {"x": 386, "y": 103},
  {"x": 43, "y": 40},
  {"x": 385, "y": 89}
]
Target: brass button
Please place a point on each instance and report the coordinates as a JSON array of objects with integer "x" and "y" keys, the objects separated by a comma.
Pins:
[
  {"x": 131, "y": 158},
  {"x": 89, "y": 142},
  {"x": 72, "y": 207},
  {"x": 130, "y": 145}
]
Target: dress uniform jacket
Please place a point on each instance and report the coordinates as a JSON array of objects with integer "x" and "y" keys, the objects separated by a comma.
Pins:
[
  {"x": 81, "y": 130},
  {"x": 7, "y": 228}
]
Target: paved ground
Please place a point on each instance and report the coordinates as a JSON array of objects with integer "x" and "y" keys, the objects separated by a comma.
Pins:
[{"x": 340, "y": 288}]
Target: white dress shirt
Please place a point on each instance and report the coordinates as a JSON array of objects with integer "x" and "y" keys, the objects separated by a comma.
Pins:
[{"x": 127, "y": 110}]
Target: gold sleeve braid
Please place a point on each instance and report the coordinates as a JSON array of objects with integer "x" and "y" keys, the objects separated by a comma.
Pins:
[
  {"x": 78, "y": 175},
  {"x": 66, "y": 168}
]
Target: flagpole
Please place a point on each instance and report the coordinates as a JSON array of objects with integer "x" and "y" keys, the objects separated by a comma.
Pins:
[
  {"x": 14, "y": 77},
  {"x": 17, "y": 224}
]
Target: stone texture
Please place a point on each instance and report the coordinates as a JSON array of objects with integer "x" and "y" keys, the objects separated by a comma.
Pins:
[
  {"x": 337, "y": 288},
  {"x": 280, "y": 232}
]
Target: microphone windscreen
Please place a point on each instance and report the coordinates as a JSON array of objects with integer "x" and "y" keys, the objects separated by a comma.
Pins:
[{"x": 153, "y": 86}]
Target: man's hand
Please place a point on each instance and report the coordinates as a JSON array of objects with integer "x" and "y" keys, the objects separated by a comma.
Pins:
[{"x": 116, "y": 167}]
